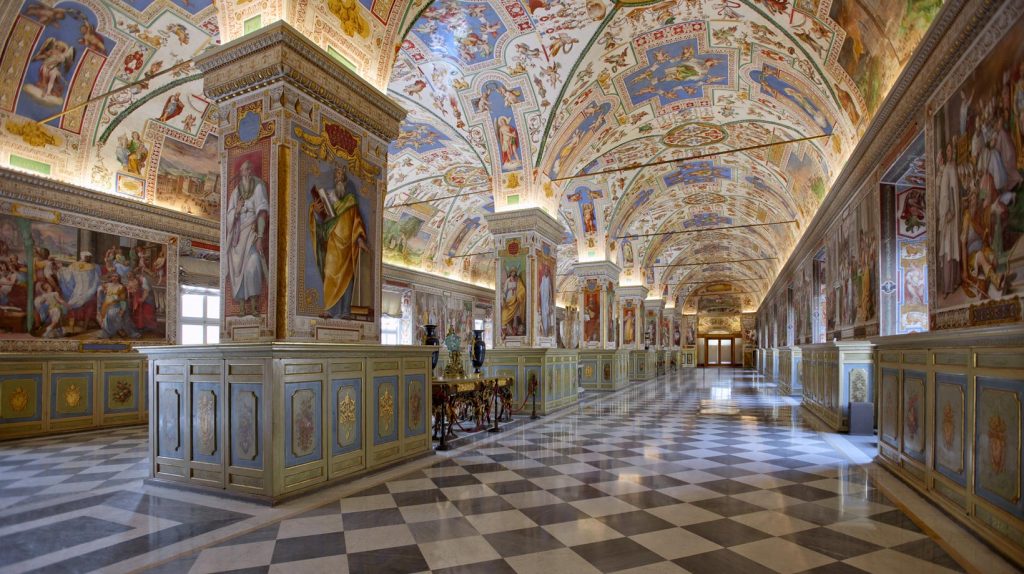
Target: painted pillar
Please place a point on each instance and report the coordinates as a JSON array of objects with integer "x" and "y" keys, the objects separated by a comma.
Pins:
[
  {"x": 303, "y": 152},
  {"x": 652, "y": 323},
  {"x": 525, "y": 241},
  {"x": 597, "y": 280},
  {"x": 631, "y": 306}
]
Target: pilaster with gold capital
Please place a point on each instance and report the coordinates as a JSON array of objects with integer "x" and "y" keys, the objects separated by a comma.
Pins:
[
  {"x": 526, "y": 243},
  {"x": 597, "y": 281},
  {"x": 303, "y": 152},
  {"x": 631, "y": 311},
  {"x": 653, "y": 327}
]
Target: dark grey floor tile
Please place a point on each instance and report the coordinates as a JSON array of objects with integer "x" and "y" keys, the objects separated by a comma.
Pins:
[
  {"x": 379, "y": 489},
  {"x": 489, "y": 567},
  {"x": 926, "y": 549},
  {"x": 447, "y": 529},
  {"x": 372, "y": 518},
  {"x": 896, "y": 518},
  {"x": 595, "y": 476},
  {"x": 307, "y": 547},
  {"x": 730, "y": 471},
  {"x": 793, "y": 475},
  {"x": 831, "y": 543},
  {"x": 835, "y": 568},
  {"x": 659, "y": 481},
  {"x": 727, "y": 506},
  {"x": 258, "y": 535},
  {"x": 816, "y": 513},
  {"x": 457, "y": 480},
  {"x": 171, "y": 509},
  {"x": 513, "y": 486},
  {"x": 178, "y": 566},
  {"x": 636, "y": 522},
  {"x": 522, "y": 541},
  {"x": 482, "y": 505},
  {"x": 804, "y": 492},
  {"x": 726, "y": 532},
  {"x": 553, "y": 514},
  {"x": 399, "y": 560},
  {"x": 42, "y": 540},
  {"x": 720, "y": 562},
  {"x": 617, "y": 554},
  {"x": 578, "y": 492},
  {"x": 485, "y": 467},
  {"x": 415, "y": 497},
  {"x": 727, "y": 486},
  {"x": 648, "y": 499}
]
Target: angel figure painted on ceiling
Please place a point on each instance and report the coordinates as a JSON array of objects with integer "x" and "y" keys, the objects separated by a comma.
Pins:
[
  {"x": 57, "y": 59},
  {"x": 172, "y": 107},
  {"x": 508, "y": 140}
]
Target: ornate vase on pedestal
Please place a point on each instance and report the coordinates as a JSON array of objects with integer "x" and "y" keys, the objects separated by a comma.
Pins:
[
  {"x": 454, "y": 368},
  {"x": 479, "y": 350},
  {"x": 431, "y": 339}
]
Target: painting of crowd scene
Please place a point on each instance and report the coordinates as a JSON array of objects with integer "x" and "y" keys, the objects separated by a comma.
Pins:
[
  {"x": 978, "y": 147},
  {"x": 61, "y": 282}
]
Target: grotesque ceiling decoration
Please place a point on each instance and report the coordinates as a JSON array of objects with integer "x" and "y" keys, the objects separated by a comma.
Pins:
[{"x": 513, "y": 103}]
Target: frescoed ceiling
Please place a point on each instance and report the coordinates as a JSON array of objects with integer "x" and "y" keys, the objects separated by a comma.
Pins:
[
  {"x": 590, "y": 87},
  {"x": 512, "y": 103},
  {"x": 150, "y": 133}
]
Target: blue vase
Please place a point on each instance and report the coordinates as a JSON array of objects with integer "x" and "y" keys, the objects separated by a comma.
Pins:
[
  {"x": 431, "y": 339},
  {"x": 479, "y": 350}
]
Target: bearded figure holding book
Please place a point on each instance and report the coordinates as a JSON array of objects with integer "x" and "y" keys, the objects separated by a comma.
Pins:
[{"x": 339, "y": 236}]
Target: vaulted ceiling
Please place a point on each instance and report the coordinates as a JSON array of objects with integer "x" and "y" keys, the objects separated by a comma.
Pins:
[{"x": 512, "y": 103}]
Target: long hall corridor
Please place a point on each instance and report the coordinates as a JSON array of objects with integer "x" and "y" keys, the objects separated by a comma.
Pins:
[{"x": 701, "y": 471}]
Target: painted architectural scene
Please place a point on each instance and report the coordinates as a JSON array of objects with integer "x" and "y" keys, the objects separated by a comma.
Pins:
[
  {"x": 977, "y": 141},
  {"x": 62, "y": 282}
]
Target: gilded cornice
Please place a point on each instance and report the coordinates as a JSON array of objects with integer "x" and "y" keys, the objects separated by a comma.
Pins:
[
  {"x": 43, "y": 192},
  {"x": 523, "y": 220},
  {"x": 422, "y": 278},
  {"x": 597, "y": 269},
  {"x": 279, "y": 52},
  {"x": 954, "y": 29},
  {"x": 632, "y": 292}
]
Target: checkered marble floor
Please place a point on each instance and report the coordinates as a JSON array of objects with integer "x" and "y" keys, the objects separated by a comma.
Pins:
[
  {"x": 701, "y": 471},
  {"x": 42, "y": 469}
]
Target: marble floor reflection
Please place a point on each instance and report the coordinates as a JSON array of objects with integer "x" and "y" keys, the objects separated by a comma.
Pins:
[{"x": 699, "y": 471}]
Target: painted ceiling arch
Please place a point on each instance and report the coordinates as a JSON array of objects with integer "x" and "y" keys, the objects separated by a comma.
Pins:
[
  {"x": 592, "y": 87},
  {"x": 154, "y": 140},
  {"x": 506, "y": 99}
]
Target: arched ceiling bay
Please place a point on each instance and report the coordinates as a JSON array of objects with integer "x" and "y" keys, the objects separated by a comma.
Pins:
[
  {"x": 589, "y": 88},
  {"x": 512, "y": 103},
  {"x": 155, "y": 140}
]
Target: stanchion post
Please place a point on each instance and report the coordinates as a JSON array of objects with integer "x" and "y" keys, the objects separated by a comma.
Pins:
[
  {"x": 495, "y": 413},
  {"x": 443, "y": 445}
]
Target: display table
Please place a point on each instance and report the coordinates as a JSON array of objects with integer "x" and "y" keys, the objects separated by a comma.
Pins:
[{"x": 476, "y": 398}]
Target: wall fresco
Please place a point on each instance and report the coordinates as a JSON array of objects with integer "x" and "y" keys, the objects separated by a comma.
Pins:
[
  {"x": 63, "y": 282},
  {"x": 977, "y": 139}
]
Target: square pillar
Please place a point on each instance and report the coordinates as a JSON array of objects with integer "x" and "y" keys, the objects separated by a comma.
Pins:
[
  {"x": 603, "y": 366},
  {"x": 303, "y": 150},
  {"x": 526, "y": 242}
]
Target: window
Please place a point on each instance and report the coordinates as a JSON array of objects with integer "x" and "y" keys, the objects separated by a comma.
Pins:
[
  {"x": 389, "y": 328},
  {"x": 199, "y": 322},
  {"x": 488, "y": 328}
]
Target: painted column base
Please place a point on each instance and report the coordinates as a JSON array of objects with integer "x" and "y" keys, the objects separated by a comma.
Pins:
[
  {"x": 950, "y": 422},
  {"x": 271, "y": 420},
  {"x": 642, "y": 365},
  {"x": 835, "y": 374},
  {"x": 64, "y": 392},
  {"x": 688, "y": 358},
  {"x": 555, "y": 371},
  {"x": 604, "y": 370}
]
